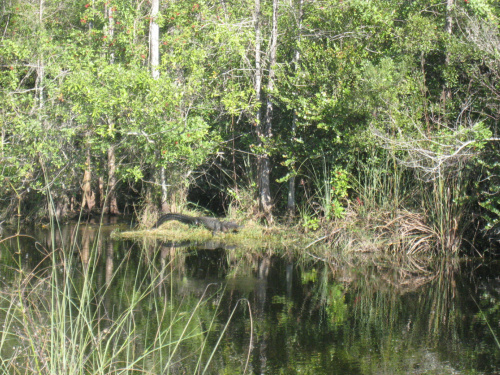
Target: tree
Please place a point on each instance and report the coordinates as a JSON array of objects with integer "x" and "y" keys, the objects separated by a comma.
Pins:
[
  {"x": 264, "y": 130},
  {"x": 483, "y": 37},
  {"x": 296, "y": 60},
  {"x": 154, "y": 53}
]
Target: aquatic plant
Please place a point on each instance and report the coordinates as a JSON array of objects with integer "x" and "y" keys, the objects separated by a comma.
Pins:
[{"x": 72, "y": 314}]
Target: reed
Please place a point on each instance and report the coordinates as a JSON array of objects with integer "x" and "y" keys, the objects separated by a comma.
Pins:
[
  {"x": 378, "y": 214},
  {"x": 412, "y": 212},
  {"x": 381, "y": 183},
  {"x": 447, "y": 205},
  {"x": 76, "y": 313}
]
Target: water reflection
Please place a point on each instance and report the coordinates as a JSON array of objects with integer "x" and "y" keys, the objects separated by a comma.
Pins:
[{"x": 357, "y": 316}]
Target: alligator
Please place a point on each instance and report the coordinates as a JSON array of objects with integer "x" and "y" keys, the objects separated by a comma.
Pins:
[{"x": 213, "y": 224}]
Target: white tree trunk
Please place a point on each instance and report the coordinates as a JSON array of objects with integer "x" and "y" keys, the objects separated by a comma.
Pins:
[
  {"x": 154, "y": 61},
  {"x": 446, "y": 94},
  {"x": 258, "y": 68},
  {"x": 108, "y": 12},
  {"x": 296, "y": 59},
  {"x": 40, "y": 63}
]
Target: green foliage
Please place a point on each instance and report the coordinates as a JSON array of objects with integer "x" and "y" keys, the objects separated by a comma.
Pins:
[
  {"x": 339, "y": 183},
  {"x": 79, "y": 83},
  {"x": 310, "y": 223},
  {"x": 489, "y": 189},
  {"x": 310, "y": 276}
]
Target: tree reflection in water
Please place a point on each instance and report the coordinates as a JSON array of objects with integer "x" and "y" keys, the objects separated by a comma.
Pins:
[{"x": 361, "y": 315}]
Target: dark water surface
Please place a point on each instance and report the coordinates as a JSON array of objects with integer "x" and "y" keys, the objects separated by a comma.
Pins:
[{"x": 295, "y": 317}]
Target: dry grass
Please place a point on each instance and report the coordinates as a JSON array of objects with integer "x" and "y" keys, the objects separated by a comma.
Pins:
[
  {"x": 399, "y": 232},
  {"x": 406, "y": 232}
]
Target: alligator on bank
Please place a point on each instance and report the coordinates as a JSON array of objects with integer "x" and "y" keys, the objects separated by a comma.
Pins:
[{"x": 215, "y": 225}]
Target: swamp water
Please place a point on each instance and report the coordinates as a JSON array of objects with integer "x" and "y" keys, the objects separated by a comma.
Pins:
[{"x": 113, "y": 306}]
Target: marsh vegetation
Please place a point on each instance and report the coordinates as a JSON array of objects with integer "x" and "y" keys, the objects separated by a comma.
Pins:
[
  {"x": 356, "y": 142},
  {"x": 374, "y": 118},
  {"x": 76, "y": 301}
]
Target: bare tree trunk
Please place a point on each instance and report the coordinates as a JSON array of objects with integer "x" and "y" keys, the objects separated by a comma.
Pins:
[
  {"x": 2, "y": 140},
  {"x": 39, "y": 96},
  {"x": 154, "y": 60},
  {"x": 164, "y": 190},
  {"x": 263, "y": 128},
  {"x": 40, "y": 63},
  {"x": 108, "y": 13},
  {"x": 296, "y": 58},
  {"x": 258, "y": 68},
  {"x": 88, "y": 195},
  {"x": 112, "y": 202},
  {"x": 258, "y": 96},
  {"x": 449, "y": 17},
  {"x": 258, "y": 86},
  {"x": 101, "y": 192}
]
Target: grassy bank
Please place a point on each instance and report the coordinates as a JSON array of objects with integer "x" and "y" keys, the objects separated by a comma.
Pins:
[
  {"x": 397, "y": 232},
  {"x": 252, "y": 237}
]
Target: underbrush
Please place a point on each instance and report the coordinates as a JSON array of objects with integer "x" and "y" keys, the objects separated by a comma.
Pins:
[
  {"x": 391, "y": 209},
  {"x": 397, "y": 232},
  {"x": 384, "y": 208}
]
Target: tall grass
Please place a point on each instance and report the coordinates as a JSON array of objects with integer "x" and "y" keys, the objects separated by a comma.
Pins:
[
  {"x": 382, "y": 184},
  {"x": 371, "y": 210},
  {"x": 435, "y": 212},
  {"x": 448, "y": 208},
  {"x": 382, "y": 216},
  {"x": 68, "y": 316}
]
